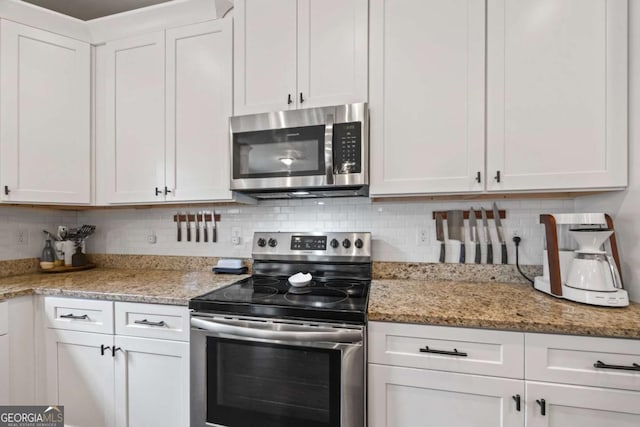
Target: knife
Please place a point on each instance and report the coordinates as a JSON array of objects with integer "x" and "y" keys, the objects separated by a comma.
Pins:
[
  {"x": 206, "y": 226},
  {"x": 440, "y": 235},
  {"x": 197, "y": 226},
  {"x": 500, "y": 230},
  {"x": 179, "y": 222},
  {"x": 455, "y": 225},
  {"x": 188, "y": 227},
  {"x": 487, "y": 237},
  {"x": 214, "y": 233},
  {"x": 473, "y": 228}
]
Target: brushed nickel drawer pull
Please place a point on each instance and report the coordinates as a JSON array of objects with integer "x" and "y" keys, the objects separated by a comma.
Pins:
[
  {"x": 74, "y": 317},
  {"x": 602, "y": 365},
  {"x": 455, "y": 352},
  {"x": 147, "y": 323}
]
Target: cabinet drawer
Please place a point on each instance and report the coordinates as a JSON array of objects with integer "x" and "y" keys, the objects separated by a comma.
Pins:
[
  {"x": 473, "y": 351},
  {"x": 4, "y": 317},
  {"x": 572, "y": 360},
  {"x": 79, "y": 314},
  {"x": 152, "y": 321}
]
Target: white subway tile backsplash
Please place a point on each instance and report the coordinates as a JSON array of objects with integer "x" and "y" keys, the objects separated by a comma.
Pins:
[{"x": 394, "y": 226}]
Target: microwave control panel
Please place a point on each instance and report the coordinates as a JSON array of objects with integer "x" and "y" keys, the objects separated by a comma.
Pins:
[{"x": 347, "y": 148}]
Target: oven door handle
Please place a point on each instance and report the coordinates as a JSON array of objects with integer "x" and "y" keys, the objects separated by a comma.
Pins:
[{"x": 337, "y": 336}]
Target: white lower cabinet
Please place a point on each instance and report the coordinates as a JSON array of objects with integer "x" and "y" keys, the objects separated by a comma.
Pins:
[
  {"x": 107, "y": 380},
  {"x": 408, "y": 397},
  {"x": 152, "y": 382},
  {"x": 579, "y": 406},
  {"x": 4, "y": 354},
  {"x": 80, "y": 376},
  {"x": 434, "y": 376}
]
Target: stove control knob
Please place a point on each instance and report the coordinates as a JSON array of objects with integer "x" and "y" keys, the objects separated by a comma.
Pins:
[
  {"x": 262, "y": 243},
  {"x": 346, "y": 243},
  {"x": 273, "y": 243},
  {"x": 359, "y": 244},
  {"x": 334, "y": 243}
]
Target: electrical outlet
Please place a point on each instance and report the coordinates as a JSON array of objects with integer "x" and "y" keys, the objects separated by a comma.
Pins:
[
  {"x": 235, "y": 240},
  {"x": 516, "y": 233},
  {"x": 151, "y": 238},
  {"x": 22, "y": 237},
  {"x": 423, "y": 237}
]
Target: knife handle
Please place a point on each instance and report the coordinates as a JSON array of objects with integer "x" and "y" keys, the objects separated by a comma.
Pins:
[
  {"x": 205, "y": 231},
  {"x": 197, "y": 232},
  {"x": 188, "y": 231},
  {"x": 441, "y": 259},
  {"x": 477, "y": 260},
  {"x": 214, "y": 234},
  {"x": 504, "y": 254},
  {"x": 462, "y": 254},
  {"x": 179, "y": 228},
  {"x": 489, "y": 253}
]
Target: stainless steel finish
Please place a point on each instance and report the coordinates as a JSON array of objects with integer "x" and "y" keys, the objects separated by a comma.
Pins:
[
  {"x": 277, "y": 331},
  {"x": 328, "y": 148},
  {"x": 473, "y": 228},
  {"x": 440, "y": 235},
  {"x": 352, "y": 383},
  {"x": 455, "y": 225},
  {"x": 284, "y": 252},
  {"x": 297, "y": 118},
  {"x": 496, "y": 218}
]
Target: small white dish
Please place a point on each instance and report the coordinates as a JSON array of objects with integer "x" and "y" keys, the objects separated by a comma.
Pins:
[{"x": 299, "y": 280}]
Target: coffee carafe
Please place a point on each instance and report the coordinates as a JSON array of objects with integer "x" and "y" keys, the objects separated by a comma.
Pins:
[{"x": 592, "y": 268}]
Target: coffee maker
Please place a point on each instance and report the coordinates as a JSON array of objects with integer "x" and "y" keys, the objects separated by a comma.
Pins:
[{"x": 577, "y": 264}]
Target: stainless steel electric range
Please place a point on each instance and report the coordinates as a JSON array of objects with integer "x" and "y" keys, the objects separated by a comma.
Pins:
[{"x": 265, "y": 353}]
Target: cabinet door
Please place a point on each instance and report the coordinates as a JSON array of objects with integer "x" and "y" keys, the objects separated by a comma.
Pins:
[
  {"x": 427, "y": 96},
  {"x": 199, "y": 104},
  {"x": 152, "y": 382},
  {"x": 4, "y": 369},
  {"x": 265, "y": 40},
  {"x": 332, "y": 52},
  {"x": 576, "y": 406},
  {"x": 135, "y": 131},
  {"x": 45, "y": 137},
  {"x": 79, "y": 377},
  {"x": 405, "y": 397},
  {"x": 557, "y": 94}
]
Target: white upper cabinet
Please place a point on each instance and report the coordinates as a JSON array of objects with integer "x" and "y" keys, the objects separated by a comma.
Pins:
[
  {"x": 299, "y": 54},
  {"x": 199, "y": 104},
  {"x": 557, "y": 94},
  {"x": 427, "y": 96},
  {"x": 45, "y": 105},
  {"x": 264, "y": 43},
  {"x": 135, "y": 134},
  {"x": 168, "y": 100}
]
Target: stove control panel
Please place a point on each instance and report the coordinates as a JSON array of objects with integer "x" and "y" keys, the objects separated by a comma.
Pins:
[{"x": 342, "y": 246}]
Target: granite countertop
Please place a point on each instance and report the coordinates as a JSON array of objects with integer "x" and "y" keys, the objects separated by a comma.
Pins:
[
  {"x": 515, "y": 307},
  {"x": 132, "y": 285}
]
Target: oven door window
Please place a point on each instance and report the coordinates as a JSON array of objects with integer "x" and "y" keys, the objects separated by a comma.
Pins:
[
  {"x": 255, "y": 384},
  {"x": 279, "y": 153}
]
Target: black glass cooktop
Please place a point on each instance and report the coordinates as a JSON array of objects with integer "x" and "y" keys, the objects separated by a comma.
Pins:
[{"x": 337, "y": 300}]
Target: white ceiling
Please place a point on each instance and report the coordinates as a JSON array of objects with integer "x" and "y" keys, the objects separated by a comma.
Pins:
[{"x": 91, "y": 9}]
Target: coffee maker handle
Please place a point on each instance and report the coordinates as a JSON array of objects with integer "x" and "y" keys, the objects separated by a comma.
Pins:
[{"x": 615, "y": 274}]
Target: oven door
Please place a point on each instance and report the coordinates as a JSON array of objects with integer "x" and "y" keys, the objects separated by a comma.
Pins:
[{"x": 253, "y": 373}]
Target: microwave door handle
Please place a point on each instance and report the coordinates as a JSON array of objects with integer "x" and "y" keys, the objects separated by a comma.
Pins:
[
  {"x": 328, "y": 148},
  {"x": 339, "y": 336}
]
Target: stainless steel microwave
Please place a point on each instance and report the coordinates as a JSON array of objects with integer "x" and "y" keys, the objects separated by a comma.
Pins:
[{"x": 313, "y": 152}]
